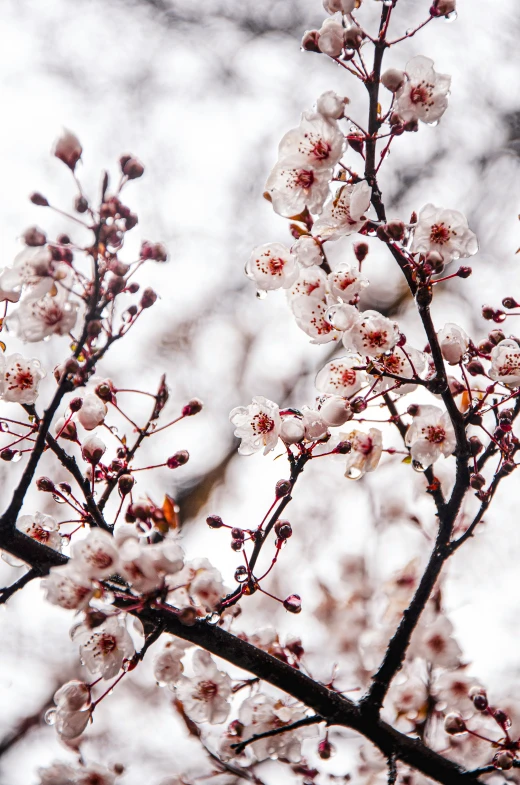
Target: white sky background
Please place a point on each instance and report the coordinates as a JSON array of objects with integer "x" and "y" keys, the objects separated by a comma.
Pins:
[{"x": 202, "y": 95}]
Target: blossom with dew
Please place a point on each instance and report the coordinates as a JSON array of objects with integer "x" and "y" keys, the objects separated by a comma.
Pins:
[
  {"x": 344, "y": 213},
  {"x": 331, "y": 38},
  {"x": 103, "y": 649},
  {"x": 365, "y": 453},
  {"x": 405, "y": 362},
  {"x": 205, "y": 696},
  {"x": 67, "y": 587},
  {"x": 292, "y": 430},
  {"x": 444, "y": 231},
  {"x": 293, "y": 187},
  {"x": 257, "y": 425},
  {"x": 311, "y": 315},
  {"x": 73, "y": 696},
  {"x": 343, "y": 317},
  {"x": 96, "y": 556},
  {"x": 43, "y": 313},
  {"x": 30, "y": 267},
  {"x": 311, "y": 282},
  {"x": 92, "y": 413},
  {"x": 372, "y": 334},
  {"x": 505, "y": 363},
  {"x": 93, "y": 449},
  {"x": 346, "y": 282},
  {"x": 317, "y": 143},
  {"x": 307, "y": 251},
  {"x": 342, "y": 376},
  {"x": 206, "y": 586},
  {"x": 272, "y": 266},
  {"x": 331, "y": 105},
  {"x": 335, "y": 411},
  {"x": 314, "y": 424},
  {"x": 454, "y": 343},
  {"x": 260, "y": 713},
  {"x": 42, "y": 528},
  {"x": 430, "y": 435},
  {"x": 145, "y": 566},
  {"x": 435, "y": 643},
  {"x": 19, "y": 378},
  {"x": 167, "y": 666},
  {"x": 424, "y": 94}
]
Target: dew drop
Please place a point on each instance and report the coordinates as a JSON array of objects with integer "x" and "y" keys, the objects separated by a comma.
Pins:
[
  {"x": 16, "y": 457},
  {"x": 388, "y": 3},
  {"x": 241, "y": 574},
  {"x": 433, "y": 124},
  {"x": 261, "y": 294},
  {"x": 417, "y": 466},
  {"x": 353, "y": 473},
  {"x": 451, "y": 17},
  {"x": 213, "y": 618},
  {"x": 58, "y": 499},
  {"x": 112, "y": 428},
  {"x": 409, "y": 31},
  {"x": 50, "y": 716}
]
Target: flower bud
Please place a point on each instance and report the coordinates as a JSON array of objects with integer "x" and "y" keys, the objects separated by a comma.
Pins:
[
  {"x": 45, "y": 484},
  {"x": 214, "y": 521},
  {"x": 76, "y": 404},
  {"x": 454, "y": 724},
  {"x": 358, "y": 405},
  {"x": 504, "y": 760},
  {"x": 282, "y": 488},
  {"x": 293, "y": 603},
  {"x": 477, "y": 481},
  {"x": 93, "y": 449},
  {"x": 283, "y": 530},
  {"x": 331, "y": 105},
  {"x": 395, "y": 230},
  {"x": 331, "y": 38},
  {"x": 34, "y": 237},
  {"x": 292, "y": 430},
  {"x": 68, "y": 149},
  {"x": 65, "y": 488},
  {"x": 442, "y": 7},
  {"x": 487, "y": 312},
  {"x": 39, "y": 200},
  {"x": 236, "y": 545},
  {"x": 131, "y": 167},
  {"x": 475, "y": 445},
  {"x": 392, "y": 79},
  {"x": 104, "y": 390},
  {"x": 192, "y": 407},
  {"x": 125, "y": 484},
  {"x": 343, "y": 448},
  {"x": 310, "y": 41},
  {"x": 66, "y": 430},
  {"x": 148, "y": 298},
  {"x": 496, "y": 336},
  {"x": 7, "y": 454},
  {"x": 336, "y": 411},
  {"x": 509, "y": 302},
  {"x": 360, "y": 251},
  {"x": 464, "y": 272},
  {"x": 178, "y": 459},
  {"x": 353, "y": 37},
  {"x": 479, "y": 698},
  {"x": 237, "y": 534},
  {"x": 475, "y": 368}
]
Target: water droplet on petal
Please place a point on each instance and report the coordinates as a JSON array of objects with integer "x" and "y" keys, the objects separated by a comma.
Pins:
[
  {"x": 353, "y": 473},
  {"x": 418, "y": 467},
  {"x": 58, "y": 499},
  {"x": 112, "y": 428},
  {"x": 17, "y": 457},
  {"x": 50, "y": 716},
  {"x": 433, "y": 123},
  {"x": 451, "y": 17},
  {"x": 261, "y": 294}
]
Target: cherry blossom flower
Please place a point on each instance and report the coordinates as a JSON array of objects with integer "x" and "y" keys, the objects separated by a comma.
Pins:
[
  {"x": 96, "y": 556},
  {"x": 257, "y": 425},
  {"x": 261, "y": 713},
  {"x": 430, "y": 435},
  {"x": 331, "y": 38},
  {"x": 67, "y": 587},
  {"x": 43, "y": 314},
  {"x": 272, "y": 266},
  {"x": 346, "y": 283},
  {"x": 146, "y": 566},
  {"x": 311, "y": 314},
  {"x": 335, "y": 411},
  {"x": 57, "y": 774},
  {"x": 292, "y": 430},
  {"x": 206, "y": 586},
  {"x": 314, "y": 424},
  {"x": 444, "y": 231},
  {"x": 73, "y": 696},
  {"x": 424, "y": 95},
  {"x": 409, "y": 696},
  {"x": 331, "y": 105},
  {"x": 19, "y": 378},
  {"x": 311, "y": 282},
  {"x": 453, "y": 342},
  {"x": 168, "y": 668},
  {"x": 406, "y": 362},
  {"x": 372, "y": 335},
  {"x": 345, "y": 212},
  {"x": 436, "y": 645},
  {"x": 205, "y": 696},
  {"x": 92, "y": 412},
  {"x": 345, "y": 6},
  {"x": 365, "y": 453},
  {"x": 505, "y": 363},
  {"x": 30, "y": 267},
  {"x": 307, "y": 251},
  {"x": 339, "y": 377},
  {"x": 103, "y": 649},
  {"x": 343, "y": 317},
  {"x": 294, "y": 187},
  {"x": 452, "y": 688},
  {"x": 317, "y": 143},
  {"x": 71, "y": 724},
  {"x": 42, "y": 528},
  {"x": 94, "y": 774}
]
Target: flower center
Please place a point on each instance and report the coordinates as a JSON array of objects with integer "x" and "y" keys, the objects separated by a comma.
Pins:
[
  {"x": 437, "y": 644},
  {"x": 376, "y": 337},
  {"x": 440, "y": 234},
  {"x": 304, "y": 178},
  {"x": 276, "y": 266},
  {"x": 207, "y": 690},
  {"x": 107, "y": 644},
  {"x": 262, "y": 423},
  {"x": 435, "y": 434},
  {"x": 421, "y": 93},
  {"x": 321, "y": 150}
]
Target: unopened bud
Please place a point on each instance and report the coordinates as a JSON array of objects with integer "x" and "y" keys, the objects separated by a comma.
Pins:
[
  {"x": 353, "y": 37},
  {"x": 178, "y": 459},
  {"x": 66, "y": 430},
  {"x": 116, "y": 284},
  {"x": 39, "y": 200},
  {"x": 496, "y": 336},
  {"x": 464, "y": 272},
  {"x": 477, "y": 481},
  {"x": 395, "y": 229},
  {"x": 454, "y": 724},
  {"x": 131, "y": 167},
  {"x": 214, "y": 521},
  {"x": 34, "y": 237},
  {"x": 192, "y": 407},
  {"x": 68, "y": 149},
  {"x": 293, "y": 603},
  {"x": 125, "y": 484},
  {"x": 45, "y": 484},
  {"x": 504, "y": 760},
  {"x": 282, "y": 488},
  {"x": 509, "y": 302},
  {"x": 148, "y": 298},
  {"x": 392, "y": 79},
  {"x": 93, "y": 450},
  {"x": 342, "y": 448},
  {"x": 237, "y": 534},
  {"x": 487, "y": 312},
  {"x": 310, "y": 41},
  {"x": 283, "y": 530},
  {"x": 360, "y": 251},
  {"x": 479, "y": 697},
  {"x": 475, "y": 445},
  {"x": 442, "y": 7},
  {"x": 475, "y": 368},
  {"x": 358, "y": 405}
]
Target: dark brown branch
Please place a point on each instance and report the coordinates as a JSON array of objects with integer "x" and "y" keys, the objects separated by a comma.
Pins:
[
  {"x": 241, "y": 745},
  {"x": 8, "y": 592}
]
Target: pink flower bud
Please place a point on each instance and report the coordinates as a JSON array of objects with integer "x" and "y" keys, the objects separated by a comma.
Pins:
[
  {"x": 34, "y": 237},
  {"x": 93, "y": 449},
  {"x": 68, "y": 149},
  {"x": 192, "y": 407},
  {"x": 293, "y": 603},
  {"x": 454, "y": 724},
  {"x": 178, "y": 459},
  {"x": 310, "y": 41},
  {"x": 392, "y": 79}
]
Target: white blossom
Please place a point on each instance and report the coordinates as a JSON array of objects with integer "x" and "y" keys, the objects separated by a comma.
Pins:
[
  {"x": 294, "y": 187},
  {"x": 307, "y": 251},
  {"x": 405, "y": 362},
  {"x": 331, "y": 38},
  {"x": 435, "y": 643},
  {"x": 424, "y": 94},
  {"x": 146, "y": 566},
  {"x": 71, "y": 724},
  {"x": 205, "y": 696},
  {"x": 312, "y": 283},
  {"x": 93, "y": 449},
  {"x": 167, "y": 667},
  {"x": 346, "y": 282},
  {"x": 331, "y": 105},
  {"x": 43, "y": 314},
  {"x": 272, "y": 266},
  {"x": 317, "y": 143},
  {"x": 335, "y": 411},
  {"x": 339, "y": 377},
  {"x": 261, "y": 713},
  {"x": 257, "y": 425},
  {"x": 96, "y": 556},
  {"x": 92, "y": 413},
  {"x": 372, "y": 334},
  {"x": 73, "y": 696},
  {"x": 103, "y": 649},
  {"x": 343, "y": 317},
  {"x": 30, "y": 267},
  {"x": 314, "y": 424},
  {"x": 345, "y": 212},
  {"x": 311, "y": 314},
  {"x": 365, "y": 453},
  {"x": 444, "y": 231},
  {"x": 19, "y": 378},
  {"x": 452, "y": 689},
  {"x": 57, "y": 774},
  {"x": 206, "y": 586},
  {"x": 67, "y": 587},
  {"x": 453, "y": 342},
  {"x": 430, "y": 435},
  {"x": 505, "y": 363},
  {"x": 292, "y": 430},
  {"x": 42, "y": 528}
]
